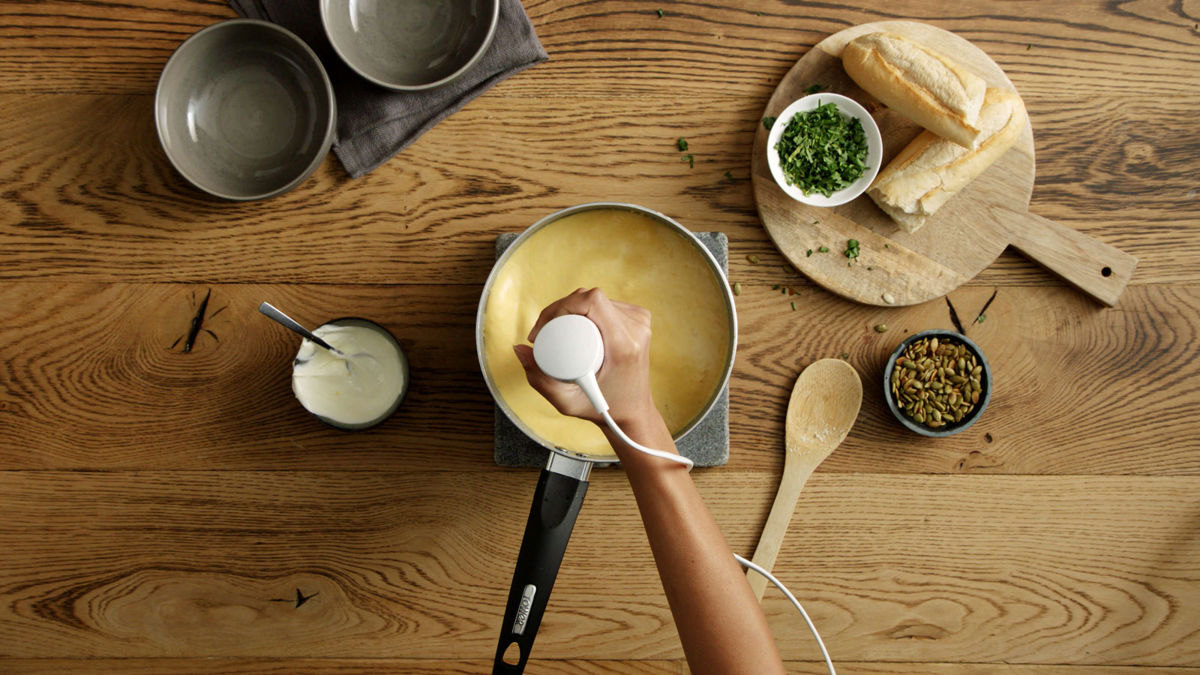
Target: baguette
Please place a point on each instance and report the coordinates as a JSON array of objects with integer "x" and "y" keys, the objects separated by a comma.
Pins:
[
  {"x": 920, "y": 84},
  {"x": 931, "y": 169}
]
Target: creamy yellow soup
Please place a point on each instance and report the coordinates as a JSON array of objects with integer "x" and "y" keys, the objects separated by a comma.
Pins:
[{"x": 634, "y": 259}]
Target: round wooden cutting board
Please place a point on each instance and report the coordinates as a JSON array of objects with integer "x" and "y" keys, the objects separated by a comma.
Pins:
[{"x": 967, "y": 234}]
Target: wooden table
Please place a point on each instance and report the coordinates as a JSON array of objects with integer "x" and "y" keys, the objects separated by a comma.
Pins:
[{"x": 163, "y": 511}]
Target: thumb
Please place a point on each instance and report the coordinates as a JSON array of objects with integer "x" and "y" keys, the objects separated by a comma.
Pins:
[
  {"x": 525, "y": 356},
  {"x": 543, "y": 383}
]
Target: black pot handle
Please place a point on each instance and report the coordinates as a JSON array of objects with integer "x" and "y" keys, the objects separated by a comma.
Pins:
[{"x": 556, "y": 503}]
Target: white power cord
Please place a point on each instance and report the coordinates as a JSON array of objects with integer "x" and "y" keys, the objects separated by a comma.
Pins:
[
  {"x": 672, "y": 457},
  {"x": 569, "y": 348},
  {"x": 779, "y": 584}
]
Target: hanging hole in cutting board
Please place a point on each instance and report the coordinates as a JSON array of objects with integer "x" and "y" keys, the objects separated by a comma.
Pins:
[{"x": 1107, "y": 272}]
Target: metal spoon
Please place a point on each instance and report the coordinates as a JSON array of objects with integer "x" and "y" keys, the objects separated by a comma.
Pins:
[
  {"x": 823, "y": 407},
  {"x": 293, "y": 325}
]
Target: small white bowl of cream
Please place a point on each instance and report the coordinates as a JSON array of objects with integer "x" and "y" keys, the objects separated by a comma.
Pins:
[{"x": 358, "y": 389}]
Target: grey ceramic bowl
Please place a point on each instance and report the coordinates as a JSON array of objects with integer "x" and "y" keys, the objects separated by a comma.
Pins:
[
  {"x": 985, "y": 394},
  {"x": 410, "y": 45},
  {"x": 245, "y": 110}
]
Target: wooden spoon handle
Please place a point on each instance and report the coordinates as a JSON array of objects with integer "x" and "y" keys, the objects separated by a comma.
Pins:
[
  {"x": 794, "y": 478},
  {"x": 1094, "y": 267}
]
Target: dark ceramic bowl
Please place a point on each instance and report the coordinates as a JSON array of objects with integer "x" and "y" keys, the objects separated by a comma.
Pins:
[
  {"x": 355, "y": 321},
  {"x": 409, "y": 45},
  {"x": 244, "y": 110},
  {"x": 954, "y": 427}
]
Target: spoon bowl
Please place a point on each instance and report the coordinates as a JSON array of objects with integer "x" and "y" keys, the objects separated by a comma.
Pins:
[{"x": 824, "y": 404}]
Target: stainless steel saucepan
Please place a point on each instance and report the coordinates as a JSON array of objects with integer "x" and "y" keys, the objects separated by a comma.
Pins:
[{"x": 563, "y": 483}]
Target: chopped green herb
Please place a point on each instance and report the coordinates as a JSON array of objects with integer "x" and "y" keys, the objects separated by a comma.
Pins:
[
  {"x": 823, "y": 249},
  {"x": 690, "y": 159},
  {"x": 768, "y": 122},
  {"x": 845, "y": 356},
  {"x": 1028, "y": 47},
  {"x": 851, "y": 248},
  {"x": 822, "y": 151},
  {"x": 660, "y": 14},
  {"x": 729, "y": 175},
  {"x": 793, "y": 306},
  {"x": 887, "y": 245},
  {"x": 681, "y": 144},
  {"x": 980, "y": 318},
  {"x": 809, "y": 254},
  {"x": 814, "y": 89},
  {"x": 775, "y": 287}
]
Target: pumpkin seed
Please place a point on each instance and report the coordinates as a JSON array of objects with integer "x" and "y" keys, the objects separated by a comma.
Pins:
[{"x": 937, "y": 382}]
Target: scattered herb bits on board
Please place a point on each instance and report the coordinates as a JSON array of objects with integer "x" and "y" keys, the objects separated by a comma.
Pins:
[{"x": 822, "y": 151}]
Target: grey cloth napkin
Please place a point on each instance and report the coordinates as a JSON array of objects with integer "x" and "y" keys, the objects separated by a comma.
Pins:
[{"x": 373, "y": 123}]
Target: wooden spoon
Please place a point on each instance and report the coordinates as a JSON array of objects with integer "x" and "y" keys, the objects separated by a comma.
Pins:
[{"x": 823, "y": 407}]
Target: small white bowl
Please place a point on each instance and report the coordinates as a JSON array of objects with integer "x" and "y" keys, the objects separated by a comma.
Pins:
[{"x": 847, "y": 106}]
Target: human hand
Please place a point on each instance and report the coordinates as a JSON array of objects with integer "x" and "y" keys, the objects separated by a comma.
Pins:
[{"x": 624, "y": 377}]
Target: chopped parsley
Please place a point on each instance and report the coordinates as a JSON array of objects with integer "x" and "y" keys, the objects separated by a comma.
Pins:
[
  {"x": 690, "y": 159},
  {"x": 822, "y": 151},
  {"x": 814, "y": 89},
  {"x": 681, "y": 144},
  {"x": 660, "y": 14},
  {"x": 768, "y": 122}
]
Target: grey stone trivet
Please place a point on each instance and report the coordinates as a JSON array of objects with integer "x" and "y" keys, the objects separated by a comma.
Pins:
[{"x": 706, "y": 445}]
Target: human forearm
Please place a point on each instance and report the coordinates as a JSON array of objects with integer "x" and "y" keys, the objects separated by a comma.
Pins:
[{"x": 720, "y": 623}]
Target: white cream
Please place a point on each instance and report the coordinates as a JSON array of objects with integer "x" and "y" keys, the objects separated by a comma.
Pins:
[{"x": 356, "y": 395}]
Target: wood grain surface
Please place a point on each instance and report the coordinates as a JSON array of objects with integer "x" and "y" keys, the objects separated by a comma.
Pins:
[{"x": 172, "y": 511}]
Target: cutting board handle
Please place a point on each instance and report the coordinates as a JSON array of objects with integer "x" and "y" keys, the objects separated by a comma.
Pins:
[{"x": 1100, "y": 270}]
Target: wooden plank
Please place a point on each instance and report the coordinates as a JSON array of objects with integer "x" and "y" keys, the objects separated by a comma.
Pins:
[
  {"x": 233, "y": 666},
  {"x": 892, "y": 668},
  {"x": 95, "y": 378},
  {"x": 980, "y": 569},
  {"x": 91, "y": 196},
  {"x": 302, "y": 666},
  {"x": 102, "y": 47}
]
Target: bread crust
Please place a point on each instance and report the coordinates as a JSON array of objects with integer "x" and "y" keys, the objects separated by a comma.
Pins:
[
  {"x": 923, "y": 85},
  {"x": 930, "y": 170}
]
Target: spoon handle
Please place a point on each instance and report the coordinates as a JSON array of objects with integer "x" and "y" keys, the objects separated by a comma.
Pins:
[
  {"x": 795, "y": 475},
  {"x": 288, "y": 322}
]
